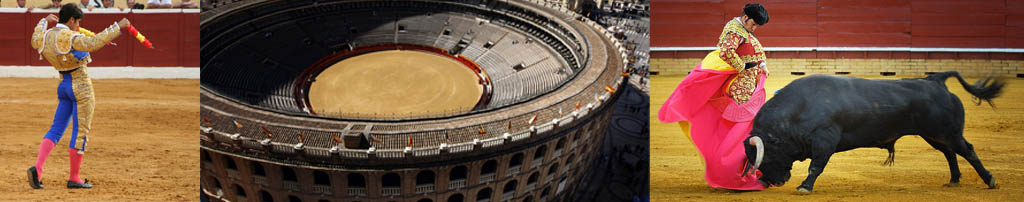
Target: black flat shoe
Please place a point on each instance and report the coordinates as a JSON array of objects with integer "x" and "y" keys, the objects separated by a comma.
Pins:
[
  {"x": 74, "y": 185},
  {"x": 33, "y": 178}
]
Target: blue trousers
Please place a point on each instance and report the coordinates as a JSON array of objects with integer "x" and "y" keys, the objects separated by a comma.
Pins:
[{"x": 67, "y": 110}]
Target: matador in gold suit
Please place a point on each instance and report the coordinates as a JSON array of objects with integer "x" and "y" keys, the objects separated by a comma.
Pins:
[{"x": 67, "y": 50}]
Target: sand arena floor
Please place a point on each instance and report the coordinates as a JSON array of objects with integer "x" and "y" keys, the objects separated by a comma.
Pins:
[
  {"x": 143, "y": 146},
  {"x": 395, "y": 83},
  {"x": 677, "y": 171}
]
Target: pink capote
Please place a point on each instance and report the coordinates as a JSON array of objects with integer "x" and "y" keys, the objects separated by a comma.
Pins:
[{"x": 718, "y": 126}]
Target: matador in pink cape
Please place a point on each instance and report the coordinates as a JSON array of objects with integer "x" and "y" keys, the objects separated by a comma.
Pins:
[{"x": 716, "y": 103}]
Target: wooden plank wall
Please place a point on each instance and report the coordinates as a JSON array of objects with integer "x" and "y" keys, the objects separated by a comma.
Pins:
[
  {"x": 175, "y": 36},
  {"x": 847, "y": 23}
]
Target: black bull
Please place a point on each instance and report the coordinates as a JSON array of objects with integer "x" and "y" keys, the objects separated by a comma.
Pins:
[{"x": 816, "y": 116}]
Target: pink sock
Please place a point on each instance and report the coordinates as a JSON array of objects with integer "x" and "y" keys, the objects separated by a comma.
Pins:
[
  {"x": 76, "y": 163},
  {"x": 44, "y": 151}
]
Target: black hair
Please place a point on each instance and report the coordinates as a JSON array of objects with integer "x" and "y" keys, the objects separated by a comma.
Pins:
[
  {"x": 756, "y": 12},
  {"x": 69, "y": 11}
]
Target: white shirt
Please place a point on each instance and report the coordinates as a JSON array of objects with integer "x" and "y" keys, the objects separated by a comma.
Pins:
[{"x": 161, "y": 2}]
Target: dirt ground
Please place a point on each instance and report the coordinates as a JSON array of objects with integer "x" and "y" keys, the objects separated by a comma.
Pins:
[
  {"x": 395, "y": 83},
  {"x": 677, "y": 171},
  {"x": 142, "y": 147}
]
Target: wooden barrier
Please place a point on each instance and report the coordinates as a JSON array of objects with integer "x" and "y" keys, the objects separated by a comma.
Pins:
[{"x": 173, "y": 32}]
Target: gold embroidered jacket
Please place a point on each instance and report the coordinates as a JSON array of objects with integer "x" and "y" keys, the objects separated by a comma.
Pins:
[
  {"x": 55, "y": 44},
  {"x": 737, "y": 46}
]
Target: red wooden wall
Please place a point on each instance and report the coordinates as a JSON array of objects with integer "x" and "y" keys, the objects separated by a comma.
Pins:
[
  {"x": 847, "y": 23},
  {"x": 174, "y": 34}
]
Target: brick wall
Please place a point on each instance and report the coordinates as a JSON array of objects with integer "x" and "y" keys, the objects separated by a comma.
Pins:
[{"x": 862, "y": 67}]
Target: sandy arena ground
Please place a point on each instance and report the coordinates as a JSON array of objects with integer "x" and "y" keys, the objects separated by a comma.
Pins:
[
  {"x": 677, "y": 172},
  {"x": 395, "y": 83},
  {"x": 142, "y": 147}
]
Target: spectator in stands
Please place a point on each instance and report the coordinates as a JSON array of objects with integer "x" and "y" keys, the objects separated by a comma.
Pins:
[
  {"x": 21, "y": 3},
  {"x": 188, "y": 4},
  {"x": 133, "y": 5},
  {"x": 159, "y": 4},
  {"x": 84, "y": 4},
  {"x": 54, "y": 4},
  {"x": 169, "y": 4},
  {"x": 101, "y": 4}
]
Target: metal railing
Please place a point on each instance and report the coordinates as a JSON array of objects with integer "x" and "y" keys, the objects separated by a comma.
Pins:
[
  {"x": 260, "y": 180},
  {"x": 357, "y": 191},
  {"x": 485, "y": 178},
  {"x": 322, "y": 189},
  {"x": 513, "y": 170},
  {"x": 426, "y": 188},
  {"x": 536, "y": 163},
  {"x": 233, "y": 174},
  {"x": 456, "y": 184},
  {"x": 291, "y": 185},
  {"x": 391, "y": 191}
]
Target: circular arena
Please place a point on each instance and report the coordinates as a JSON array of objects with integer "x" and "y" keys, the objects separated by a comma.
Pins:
[{"x": 406, "y": 100}]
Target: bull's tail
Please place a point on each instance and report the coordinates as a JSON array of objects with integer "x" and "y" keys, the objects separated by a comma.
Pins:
[{"x": 985, "y": 89}]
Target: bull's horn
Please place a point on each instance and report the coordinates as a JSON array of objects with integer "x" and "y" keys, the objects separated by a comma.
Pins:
[{"x": 756, "y": 141}]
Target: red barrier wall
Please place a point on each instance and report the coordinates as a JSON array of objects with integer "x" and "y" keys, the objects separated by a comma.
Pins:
[
  {"x": 845, "y": 23},
  {"x": 174, "y": 34}
]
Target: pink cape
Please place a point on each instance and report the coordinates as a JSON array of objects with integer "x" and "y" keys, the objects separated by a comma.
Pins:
[{"x": 718, "y": 126}]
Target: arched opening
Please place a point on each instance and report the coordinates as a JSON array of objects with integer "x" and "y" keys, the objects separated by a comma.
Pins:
[
  {"x": 545, "y": 192},
  {"x": 392, "y": 180},
  {"x": 456, "y": 198},
  {"x": 266, "y": 197},
  {"x": 483, "y": 194},
  {"x": 425, "y": 181},
  {"x": 515, "y": 163},
  {"x": 530, "y": 182},
  {"x": 356, "y": 184},
  {"x": 425, "y": 177},
  {"x": 457, "y": 173},
  {"x": 528, "y": 199},
  {"x": 457, "y": 177},
  {"x": 425, "y": 200},
  {"x": 509, "y": 190},
  {"x": 230, "y": 163},
  {"x": 356, "y": 180},
  {"x": 239, "y": 191},
  {"x": 321, "y": 178},
  {"x": 288, "y": 174},
  {"x": 488, "y": 170},
  {"x": 294, "y": 199},
  {"x": 257, "y": 169},
  {"x": 553, "y": 170},
  {"x": 218, "y": 190},
  {"x": 560, "y": 145},
  {"x": 205, "y": 156},
  {"x": 392, "y": 184},
  {"x": 323, "y": 200},
  {"x": 539, "y": 154}
]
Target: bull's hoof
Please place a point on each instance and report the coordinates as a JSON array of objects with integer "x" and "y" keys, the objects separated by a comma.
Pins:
[
  {"x": 992, "y": 184},
  {"x": 803, "y": 191},
  {"x": 952, "y": 184}
]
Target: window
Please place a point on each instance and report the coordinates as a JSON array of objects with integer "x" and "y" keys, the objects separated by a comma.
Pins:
[
  {"x": 355, "y": 180},
  {"x": 321, "y": 178},
  {"x": 425, "y": 177}
]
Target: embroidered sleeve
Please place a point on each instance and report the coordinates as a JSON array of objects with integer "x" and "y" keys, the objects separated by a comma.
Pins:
[
  {"x": 727, "y": 50},
  {"x": 37, "y": 34},
  {"x": 93, "y": 43}
]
